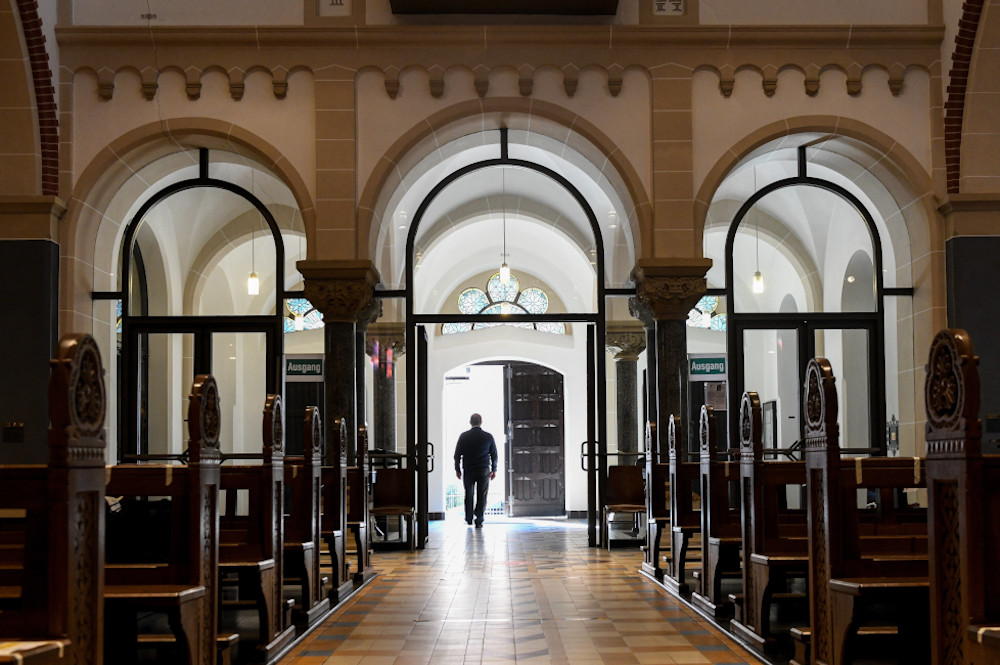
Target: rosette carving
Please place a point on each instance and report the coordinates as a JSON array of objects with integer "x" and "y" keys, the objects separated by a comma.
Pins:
[
  {"x": 273, "y": 425},
  {"x": 951, "y": 389},
  {"x": 704, "y": 430},
  {"x": 672, "y": 437},
  {"x": 313, "y": 445},
  {"x": 820, "y": 397},
  {"x": 77, "y": 401},
  {"x": 204, "y": 418},
  {"x": 751, "y": 439}
]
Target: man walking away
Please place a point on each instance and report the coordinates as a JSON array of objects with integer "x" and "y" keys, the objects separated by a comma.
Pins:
[{"x": 475, "y": 466}]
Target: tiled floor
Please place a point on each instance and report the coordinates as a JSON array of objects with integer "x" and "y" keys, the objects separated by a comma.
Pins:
[{"x": 513, "y": 592}]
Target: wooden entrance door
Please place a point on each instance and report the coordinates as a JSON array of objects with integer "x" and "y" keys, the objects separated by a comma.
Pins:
[{"x": 536, "y": 444}]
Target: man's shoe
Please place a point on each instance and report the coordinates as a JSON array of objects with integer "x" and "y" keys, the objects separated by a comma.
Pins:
[
  {"x": 468, "y": 521},
  {"x": 479, "y": 525}
]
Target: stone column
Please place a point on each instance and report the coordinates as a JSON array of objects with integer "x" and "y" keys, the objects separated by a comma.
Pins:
[
  {"x": 626, "y": 341},
  {"x": 387, "y": 342},
  {"x": 641, "y": 312},
  {"x": 366, "y": 317},
  {"x": 670, "y": 288},
  {"x": 342, "y": 291}
]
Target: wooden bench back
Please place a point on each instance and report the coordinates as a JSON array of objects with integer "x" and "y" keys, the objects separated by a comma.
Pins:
[
  {"x": 963, "y": 492},
  {"x": 657, "y": 479},
  {"x": 53, "y": 516},
  {"x": 333, "y": 520},
  {"x": 718, "y": 517},
  {"x": 836, "y": 526},
  {"x": 302, "y": 480},
  {"x": 394, "y": 490},
  {"x": 683, "y": 475},
  {"x": 258, "y": 535},
  {"x": 192, "y": 555},
  {"x": 624, "y": 486}
]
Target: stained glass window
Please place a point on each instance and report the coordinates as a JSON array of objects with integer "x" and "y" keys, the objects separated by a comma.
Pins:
[
  {"x": 118, "y": 316},
  {"x": 503, "y": 299},
  {"x": 301, "y": 315},
  {"x": 704, "y": 315},
  {"x": 500, "y": 292}
]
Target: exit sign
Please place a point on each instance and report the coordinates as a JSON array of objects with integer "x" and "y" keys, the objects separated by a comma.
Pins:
[{"x": 707, "y": 367}]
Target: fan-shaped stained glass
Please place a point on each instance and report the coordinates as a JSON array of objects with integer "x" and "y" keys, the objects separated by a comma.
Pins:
[
  {"x": 472, "y": 301},
  {"x": 708, "y": 304},
  {"x": 452, "y": 328},
  {"x": 551, "y": 327},
  {"x": 500, "y": 292},
  {"x": 533, "y": 300},
  {"x": 718, "y": 322},
  {"x": 300, "y": 307}
]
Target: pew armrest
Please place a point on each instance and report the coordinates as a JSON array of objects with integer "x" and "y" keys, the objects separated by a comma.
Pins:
[
  {"x": 988, "y": 636},
  {"x": 34, "y": 653}
]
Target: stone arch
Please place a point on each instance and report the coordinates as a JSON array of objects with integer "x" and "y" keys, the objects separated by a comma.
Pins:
[
  {"x": 88, "y": 252},
  {"x": 910, "y": 184},
  {"x": 492, "y": 113}
]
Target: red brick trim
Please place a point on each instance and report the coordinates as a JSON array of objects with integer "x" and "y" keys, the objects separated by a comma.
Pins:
[
  {"x": 954, "y": 108},
  {"x": 45, "y": 99}
]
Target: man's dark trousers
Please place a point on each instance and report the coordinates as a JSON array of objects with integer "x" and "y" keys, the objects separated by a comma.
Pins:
[{"x": 477, "y": 484}]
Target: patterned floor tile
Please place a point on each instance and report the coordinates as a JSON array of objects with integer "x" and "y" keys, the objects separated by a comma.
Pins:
[{"x": 520, "y": 591}]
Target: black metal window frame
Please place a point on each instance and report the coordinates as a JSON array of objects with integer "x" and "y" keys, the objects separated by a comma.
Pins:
[
  {"x": 873, "y": 322},
  {"x": 134, "y": 325}
]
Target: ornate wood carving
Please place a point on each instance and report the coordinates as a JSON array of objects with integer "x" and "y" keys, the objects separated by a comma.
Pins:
[
  {"x": 751, "y": 445},
  {"x": 85, "y": 587},
  {"x": 951, "y": 395},
  {"x": 948, "y": 555},
  {"x": 819, "y": 565},
  {"x": 77, "y": 403},
  {"x": 671, "y": 438},
  {"x": 273, "y": 427},
  {"x": 820, "y": 396}
]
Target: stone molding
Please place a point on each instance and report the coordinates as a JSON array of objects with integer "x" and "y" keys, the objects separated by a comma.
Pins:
[
  {"x": 343, "y": 291},
  {"x": 35, "y": 217},
  {"x": 669, "y": 288}
]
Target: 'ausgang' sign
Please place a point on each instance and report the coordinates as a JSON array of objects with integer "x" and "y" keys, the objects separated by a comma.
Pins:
[{"x": 709, "y": 366}]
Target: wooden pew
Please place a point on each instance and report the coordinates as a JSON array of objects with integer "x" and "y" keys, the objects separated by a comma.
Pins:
[
  {"x": 333, "y": 521},
  {"x": 858, "y": 563},
  {"x": 657, "y": 506},
  {"x": 685, "y": 520},
  {"x": 624, "y": 493},
  {"x": 251, "y": 546},
  {"x": 963, "y": 491},
  {"x": 774, "y": 539},
  {"x": 358, "y": 496},
  {"x": 302, "y": 525},
  {"x": 720, "y": 524},
  {"x": 52, "y": 524},
  {"x": 393, "y": 494},
  {"x": 170, "y": 570}
]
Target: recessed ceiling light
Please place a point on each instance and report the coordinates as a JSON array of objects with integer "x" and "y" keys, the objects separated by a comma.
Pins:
[
  {"x": 850, "y": 279},
  {"x": 612, "y": 226}
]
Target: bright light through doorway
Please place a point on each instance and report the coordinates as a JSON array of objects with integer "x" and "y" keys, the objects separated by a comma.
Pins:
[{"x": 467, "y": 390}]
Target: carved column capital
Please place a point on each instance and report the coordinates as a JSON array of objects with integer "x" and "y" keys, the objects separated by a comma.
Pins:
[
  {"x": 669, "y": 288},
  {"x": 389, "y": 336},
  {"x": 342, "y": 290},
  {"x": 641, "y": 312},
  {"x": 625, "y": 340}
]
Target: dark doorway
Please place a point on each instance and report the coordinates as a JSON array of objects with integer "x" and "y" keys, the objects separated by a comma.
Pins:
[{"x": 535, "y": 440}]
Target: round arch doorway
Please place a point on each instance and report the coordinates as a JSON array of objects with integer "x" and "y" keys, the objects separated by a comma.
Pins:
[{"x": 523, "y": 406}]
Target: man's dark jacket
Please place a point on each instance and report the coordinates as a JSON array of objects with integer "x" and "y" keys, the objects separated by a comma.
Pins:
[{"x": 476, "y": 450}]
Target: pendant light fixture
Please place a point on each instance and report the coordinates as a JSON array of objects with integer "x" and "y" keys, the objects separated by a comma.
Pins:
[
  {"x": 504, "y": 268},
  {"x": 253, "y": 284},
  {"x": 758, "y": 279}
]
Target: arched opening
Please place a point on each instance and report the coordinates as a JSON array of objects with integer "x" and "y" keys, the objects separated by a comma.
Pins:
[
  {"x": 537, "y": 204},
  {"x": 196, "y": 226},
  {"x": 812, "y": 260}
]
